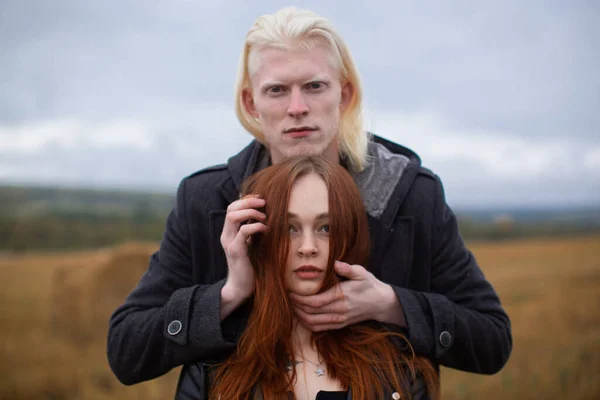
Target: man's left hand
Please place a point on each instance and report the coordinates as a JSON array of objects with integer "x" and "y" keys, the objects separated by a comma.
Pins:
[{"x": 362, "y": 297}]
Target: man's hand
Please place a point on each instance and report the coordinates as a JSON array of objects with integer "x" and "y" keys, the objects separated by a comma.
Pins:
[
  {"x": 241, "y": 222},
  {"x": 362, "y": 297}
]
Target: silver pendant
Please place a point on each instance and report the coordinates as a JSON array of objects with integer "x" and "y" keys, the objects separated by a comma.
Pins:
[{"x": 320, "y": 372}]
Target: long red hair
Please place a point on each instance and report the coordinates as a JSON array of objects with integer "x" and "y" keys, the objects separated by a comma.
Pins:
[{"x": 361, "y": 356}]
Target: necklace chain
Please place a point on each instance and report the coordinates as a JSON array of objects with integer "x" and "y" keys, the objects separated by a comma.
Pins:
[{"x": 319, "y": 371}]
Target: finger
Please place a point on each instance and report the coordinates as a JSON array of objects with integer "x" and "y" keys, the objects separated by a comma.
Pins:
[
  {"x": 321, "y": 319},
  {"x": 320, "y": 300},
  {"x": 328, "y": 327},
  {"x": 245, "y": 215},
  {"x": 352, "y": 272},
  {"x": 246, "y": 203},
  {"x": 321, "y": 322},
  {"x": 338, "y": 306},
  {"x": 239, "y": 247},
  {"x": 234, "y": 219},
  {"x": 248, "y": 230}
]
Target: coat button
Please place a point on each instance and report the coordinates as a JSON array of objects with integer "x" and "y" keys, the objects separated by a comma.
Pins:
[
  {"x": 174, "y": 327},
  {"x": 445, "y": 338}
]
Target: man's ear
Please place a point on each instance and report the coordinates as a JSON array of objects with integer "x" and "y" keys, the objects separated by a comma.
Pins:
[
  {"x": 248, "y": 101},
  {"x": 346, "y": 95}
]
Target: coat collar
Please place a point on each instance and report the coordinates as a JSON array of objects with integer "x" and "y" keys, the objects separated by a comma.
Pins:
[{"x": 255, "y": 157}]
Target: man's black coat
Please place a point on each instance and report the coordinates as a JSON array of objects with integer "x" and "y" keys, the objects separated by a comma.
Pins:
[{"x": 172, "y": 318}]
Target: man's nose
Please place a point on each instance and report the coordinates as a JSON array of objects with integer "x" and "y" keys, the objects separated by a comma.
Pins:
[{"x": 297, "y": 106}]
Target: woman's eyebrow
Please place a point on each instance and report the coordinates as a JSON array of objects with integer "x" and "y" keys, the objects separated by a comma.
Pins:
[{"x": 325, "y": 215}]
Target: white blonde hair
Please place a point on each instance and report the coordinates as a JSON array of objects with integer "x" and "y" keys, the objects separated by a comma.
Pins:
[{"x": 292, "y": 28}]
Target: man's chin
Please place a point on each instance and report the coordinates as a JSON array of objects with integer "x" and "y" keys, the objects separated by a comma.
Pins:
[
  {"x": 306, "y": 151},
  {"x": 310, "y": 151}
]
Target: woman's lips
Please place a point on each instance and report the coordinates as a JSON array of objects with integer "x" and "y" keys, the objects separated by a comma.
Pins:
[{"x": 308, "y": 272}]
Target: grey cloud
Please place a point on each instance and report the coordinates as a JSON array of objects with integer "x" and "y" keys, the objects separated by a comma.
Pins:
[
  {"x": 521, "y": 67},
  {"x": 178, "y": 152},
  {"x": 507, "y": 67}
]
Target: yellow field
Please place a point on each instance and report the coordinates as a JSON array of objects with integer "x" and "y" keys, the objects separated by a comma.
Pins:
[{"x": 54, "y": 311}]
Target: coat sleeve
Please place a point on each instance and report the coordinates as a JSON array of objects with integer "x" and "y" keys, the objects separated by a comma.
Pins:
[
  {"x": 460, "y": 322},
  {"x": 167, "y": 321}
]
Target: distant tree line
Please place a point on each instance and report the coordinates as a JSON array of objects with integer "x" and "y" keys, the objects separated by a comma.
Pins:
[
  {"x": 35, "y": 218},
  {"x": 64, "y": 232},
  {"x": 509, "y": 230},
  {"x": 78, "y": 230}
]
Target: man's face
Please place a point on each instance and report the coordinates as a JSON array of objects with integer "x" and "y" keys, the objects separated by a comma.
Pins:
[{"x": 297, "y": 98}]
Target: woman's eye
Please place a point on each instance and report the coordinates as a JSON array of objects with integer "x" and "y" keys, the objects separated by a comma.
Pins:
[
  {"x": 325, "y": 228},
  {"x": 315, "y": 85},
  {"x": 292, "y": 229}
]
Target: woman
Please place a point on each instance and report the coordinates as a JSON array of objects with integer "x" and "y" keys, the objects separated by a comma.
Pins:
[{"x": 315, "y": 216}]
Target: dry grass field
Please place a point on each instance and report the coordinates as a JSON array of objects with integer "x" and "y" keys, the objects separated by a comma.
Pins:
[{"x": 54, "y": 309}]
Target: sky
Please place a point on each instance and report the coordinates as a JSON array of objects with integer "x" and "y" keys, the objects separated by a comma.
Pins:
[{"x": 501, "y": 99}]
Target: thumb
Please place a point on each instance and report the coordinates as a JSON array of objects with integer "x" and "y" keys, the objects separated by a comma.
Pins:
[{"x": 352, "y": 272}]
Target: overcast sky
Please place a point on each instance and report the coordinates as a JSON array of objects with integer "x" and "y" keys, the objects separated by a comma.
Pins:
[{"x": 499, "y": 98}]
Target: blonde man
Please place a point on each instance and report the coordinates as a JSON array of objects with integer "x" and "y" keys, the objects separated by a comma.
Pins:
[{"x": 298, "y": 92}]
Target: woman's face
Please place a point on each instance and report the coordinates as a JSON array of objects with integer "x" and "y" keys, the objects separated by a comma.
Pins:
[{"x": 308, "y": 215}]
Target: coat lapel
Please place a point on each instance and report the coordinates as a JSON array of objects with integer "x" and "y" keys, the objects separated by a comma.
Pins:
[{"x": 392, "y": 236}]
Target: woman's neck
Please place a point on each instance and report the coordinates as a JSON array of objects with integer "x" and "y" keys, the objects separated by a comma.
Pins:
[{"x": 302, "y": 340}]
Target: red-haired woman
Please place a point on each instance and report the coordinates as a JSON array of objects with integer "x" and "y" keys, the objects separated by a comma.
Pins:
[{"x": 315, "y": 216}]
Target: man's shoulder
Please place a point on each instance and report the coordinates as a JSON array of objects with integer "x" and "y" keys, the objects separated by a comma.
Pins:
[
  {"x": 208, "y": 174},
  {"x": 235, "y": 168},
  {"x": 426, "y": 173},
  {"x": 201, "y": 183}
]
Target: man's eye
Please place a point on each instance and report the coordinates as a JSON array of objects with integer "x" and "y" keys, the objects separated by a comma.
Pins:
[
  {"x": 275, "y": 89},
  {"x": 315, "y": 85}
]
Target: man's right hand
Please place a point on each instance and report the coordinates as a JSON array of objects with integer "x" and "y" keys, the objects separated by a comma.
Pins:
[{"x": 241, "y": 222}]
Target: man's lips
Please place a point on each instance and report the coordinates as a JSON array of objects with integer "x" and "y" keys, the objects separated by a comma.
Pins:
[{"x": 299, "y": 132}]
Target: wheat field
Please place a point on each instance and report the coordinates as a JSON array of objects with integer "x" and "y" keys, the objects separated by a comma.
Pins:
[{"x": 54, "y": 310}]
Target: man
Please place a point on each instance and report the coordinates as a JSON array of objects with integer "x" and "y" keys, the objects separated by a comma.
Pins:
[{"x": 298, "y": 92}]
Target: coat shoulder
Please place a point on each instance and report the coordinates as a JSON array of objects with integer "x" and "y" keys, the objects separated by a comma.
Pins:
[
  {"x": 204, "y": 189},
  {"x": 426, "y": 173},
  {"x": 206, "y": 179},
  {"x": 209, "y": 173},
  {"x": 425, "y": 187}
]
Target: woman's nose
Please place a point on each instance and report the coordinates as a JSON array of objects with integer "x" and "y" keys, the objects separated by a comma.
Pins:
[{"x": 308, "y": 245}]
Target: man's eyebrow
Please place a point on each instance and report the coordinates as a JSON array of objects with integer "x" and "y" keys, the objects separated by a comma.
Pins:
[
  {"x": 318, "y": 78},
  {"x": 323, "y": 78},
  {"x": 268, "y": 84}
]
